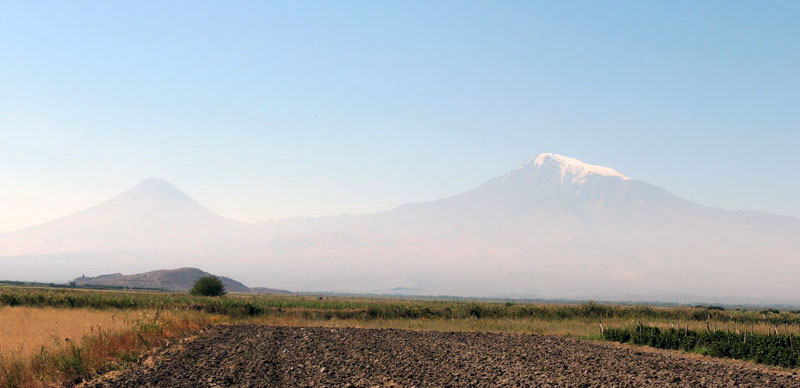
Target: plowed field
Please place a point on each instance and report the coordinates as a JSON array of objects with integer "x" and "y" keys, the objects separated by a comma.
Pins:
[{"x": 265, "y": 356}]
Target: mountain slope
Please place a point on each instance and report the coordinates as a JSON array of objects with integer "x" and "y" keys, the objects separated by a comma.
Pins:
[{"x": 556, "y": 227}]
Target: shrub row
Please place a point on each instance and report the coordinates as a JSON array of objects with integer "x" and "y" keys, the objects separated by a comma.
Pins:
[{"x": 781, "y": 350}]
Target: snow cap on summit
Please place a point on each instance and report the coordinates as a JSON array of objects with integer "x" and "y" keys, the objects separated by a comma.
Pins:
[{"x": 574, "y": 168}]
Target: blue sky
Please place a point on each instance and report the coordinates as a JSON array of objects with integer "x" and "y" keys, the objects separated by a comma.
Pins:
[{"x": 263, "y": 110}]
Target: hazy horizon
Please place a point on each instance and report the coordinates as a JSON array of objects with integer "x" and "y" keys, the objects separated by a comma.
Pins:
[
  {"x": 554, "y": 227},
  {"x": 556, "y": 150}
]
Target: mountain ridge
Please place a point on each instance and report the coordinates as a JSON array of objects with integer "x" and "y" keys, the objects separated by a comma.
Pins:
[
  {"x": 553, "y": 228},
  {"x": 591, "y": 169}
]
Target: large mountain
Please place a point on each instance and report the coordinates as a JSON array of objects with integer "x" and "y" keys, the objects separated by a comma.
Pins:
[{"x": 554, "y": 227}]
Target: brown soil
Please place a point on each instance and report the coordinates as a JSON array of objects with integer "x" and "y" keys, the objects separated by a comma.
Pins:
[{"x": 266, "y": 356}]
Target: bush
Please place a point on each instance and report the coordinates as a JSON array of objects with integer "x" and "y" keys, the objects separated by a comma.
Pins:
[
  {"x": 778, "y": 350},
  {"x": 208, "y": 286},
  {"x": 711, "y": 307}
]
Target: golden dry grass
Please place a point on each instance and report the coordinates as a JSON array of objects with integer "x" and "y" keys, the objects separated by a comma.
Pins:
[
  {"x": 37, "y": 353},
  {"x": 25, "y": 330}
]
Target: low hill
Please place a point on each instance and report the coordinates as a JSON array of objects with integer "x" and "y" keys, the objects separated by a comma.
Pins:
[
  {"x": 265, "y": 290},
  {"x": 181, "y": 279}
]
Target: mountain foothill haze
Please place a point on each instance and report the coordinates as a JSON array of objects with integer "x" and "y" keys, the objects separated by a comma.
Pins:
[{"x": 554, "y": 227}]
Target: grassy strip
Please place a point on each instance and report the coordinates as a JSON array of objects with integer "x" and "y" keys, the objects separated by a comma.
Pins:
[
  {"x": 98, "y": 352},
  {"x": 780, "y": 350},
  {"x": 378, "y": 308}
]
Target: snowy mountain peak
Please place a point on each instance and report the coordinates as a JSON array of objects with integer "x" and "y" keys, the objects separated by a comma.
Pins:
[{"x": 573, "y": 168}]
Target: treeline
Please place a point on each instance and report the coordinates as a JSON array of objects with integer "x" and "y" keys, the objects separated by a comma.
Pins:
[{"x": 778, "y": 349}]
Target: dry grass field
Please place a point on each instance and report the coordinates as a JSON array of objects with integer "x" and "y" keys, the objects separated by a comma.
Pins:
[
  {"x": 58, "y": 347},
  {"x": 26, "y": 330}
]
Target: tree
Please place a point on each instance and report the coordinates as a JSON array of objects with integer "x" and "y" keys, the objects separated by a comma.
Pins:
[{"x": 208, "y": 286}]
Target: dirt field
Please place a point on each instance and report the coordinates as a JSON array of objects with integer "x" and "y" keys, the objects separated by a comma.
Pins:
[{"x": 264, "y": 356}]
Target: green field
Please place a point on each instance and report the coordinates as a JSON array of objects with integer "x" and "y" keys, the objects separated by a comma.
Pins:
[{"x": 370, "y": 308}]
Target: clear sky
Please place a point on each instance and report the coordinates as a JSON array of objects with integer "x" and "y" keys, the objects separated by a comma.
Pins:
[{"x": 263, "y": 110}]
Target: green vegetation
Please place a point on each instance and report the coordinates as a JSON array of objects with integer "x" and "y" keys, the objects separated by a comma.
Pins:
[
  {"x": 377, "y": 308},
  {"x": 781, "y": 350},
  {"x": 72, "y": 285},
  {"x": 710, "y": 307},
  {"x": 208, "y": 286}
]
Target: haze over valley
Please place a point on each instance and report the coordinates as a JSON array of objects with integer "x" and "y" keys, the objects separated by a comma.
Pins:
[{"x": 554, "y": 227}]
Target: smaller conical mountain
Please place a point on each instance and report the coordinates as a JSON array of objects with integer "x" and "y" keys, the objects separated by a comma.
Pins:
[{"x": 153, "y": 216}]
